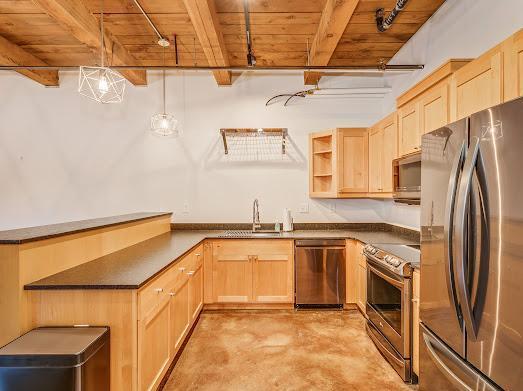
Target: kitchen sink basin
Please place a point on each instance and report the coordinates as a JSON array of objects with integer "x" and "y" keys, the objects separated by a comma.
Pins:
[{"x": 250, "y": 234}]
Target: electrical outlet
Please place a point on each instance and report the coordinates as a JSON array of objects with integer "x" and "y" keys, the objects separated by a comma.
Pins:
[
  {"x": 185, "y": 208},
  {"x": 304, "y": 207}
]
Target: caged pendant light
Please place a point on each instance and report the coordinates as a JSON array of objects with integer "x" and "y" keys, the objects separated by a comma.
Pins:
[
  {"x": 101, "y": 84},
  {"x": 163, "y": 124}
]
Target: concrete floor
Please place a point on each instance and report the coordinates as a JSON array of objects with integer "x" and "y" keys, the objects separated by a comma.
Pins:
[{"x": 282, "y": 350}]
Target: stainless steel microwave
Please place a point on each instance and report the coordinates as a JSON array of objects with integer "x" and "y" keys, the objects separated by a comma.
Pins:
[{"x": 407, "y": 179}]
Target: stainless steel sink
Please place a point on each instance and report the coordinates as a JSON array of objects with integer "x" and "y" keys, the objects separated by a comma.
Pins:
[{"x": 250, "y": 234}]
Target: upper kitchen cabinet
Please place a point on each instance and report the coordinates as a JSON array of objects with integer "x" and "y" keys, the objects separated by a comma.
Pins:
[
  {"x": 322, "y": 160},
  {"x": 478, "y": 85},
  {"x": 338, "y": 160},
  {"x": 425, "y": 107},
  {"x": 383, "y": 149},
  {"x": 353, "y": 162},
  {"x": 513, "y": 66}
]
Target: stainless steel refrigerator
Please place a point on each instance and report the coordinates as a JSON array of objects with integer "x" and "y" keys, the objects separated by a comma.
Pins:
[{"x": 471, "y": 308}]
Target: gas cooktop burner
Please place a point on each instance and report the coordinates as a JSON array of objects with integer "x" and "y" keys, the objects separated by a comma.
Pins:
[{"x": 397, "y": 257}]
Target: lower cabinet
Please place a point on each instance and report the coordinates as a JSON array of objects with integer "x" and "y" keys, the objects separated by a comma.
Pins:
[
  {"x": 362, "y": 286},
  {"x": 195, "y": 291},
  {"x": 415, "y": 321},
  {"x": 253, "y": 271},
  {"x": 179, "y": 314},
  {"x": 356, "y": 278},
  {"x": 168, "y": 306},
  {"x": 153, "y": 345}
]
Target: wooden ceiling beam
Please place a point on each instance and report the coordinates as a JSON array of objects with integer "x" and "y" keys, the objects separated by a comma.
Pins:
[
  {"x": 334, "y": 19},
  {"x": 75, "y": 17},
  {"x": 12, "y": 54},
  {"x": 207, "y": 26}
]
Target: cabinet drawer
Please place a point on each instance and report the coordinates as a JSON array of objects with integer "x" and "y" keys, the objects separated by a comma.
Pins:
[{"x": 150, "y": 296}]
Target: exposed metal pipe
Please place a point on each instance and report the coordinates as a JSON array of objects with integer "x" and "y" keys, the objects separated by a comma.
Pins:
[
  {"x": 341, "y": 69},
  {"x": 148, "y": 20},
  {"x": 383, "y": 22},
  {"x": 251, "y": 58}
]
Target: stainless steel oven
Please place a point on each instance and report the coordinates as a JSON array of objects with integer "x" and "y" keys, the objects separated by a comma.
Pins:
[
  {"x": 407, "y": 179},
  {"x": 389, "y": 294}
]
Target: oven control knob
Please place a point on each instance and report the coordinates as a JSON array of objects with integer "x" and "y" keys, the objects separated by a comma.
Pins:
[
  {"x": 387, "y": 258},
  {"x": 395, "y": 262}
]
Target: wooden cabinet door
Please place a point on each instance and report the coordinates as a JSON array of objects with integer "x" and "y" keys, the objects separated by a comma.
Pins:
[
  {"x": 389, "y": 153},
  {"x": 232, "y": 272},
  {"x": 375, "y": 159},
  {"x": 513, "y": 67},
  {"x": 478, "y": 85},
  {"x": 434, "y": 108},
  {"x": 362, "y": 288},
  {"x": 408, "y": 129},
  {"x": 179, "y": 314},
  {"x": 273, "y": 274},
  {"x": 153, "y": 345},
  {"x": 351, "y": 271},
  {"x": 195, "y": 292},
  {"x": 415, "y": 321},
  {"x": 362, "y": 278},
  {"x": 353, "y": 160}
]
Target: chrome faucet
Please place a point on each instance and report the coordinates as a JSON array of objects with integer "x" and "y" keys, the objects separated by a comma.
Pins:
[{"x": 255, "y": 215}]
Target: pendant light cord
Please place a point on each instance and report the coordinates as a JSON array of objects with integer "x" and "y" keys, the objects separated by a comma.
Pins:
[
  {"x": 102, "y": 32},
  {"x": 164, "y": 111}
]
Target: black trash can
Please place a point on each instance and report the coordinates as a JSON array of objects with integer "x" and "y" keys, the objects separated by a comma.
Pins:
[{"x": 57, "y": 359}]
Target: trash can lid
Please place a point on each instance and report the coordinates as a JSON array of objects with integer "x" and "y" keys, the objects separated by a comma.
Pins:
[{"x": 54, "y": 347}]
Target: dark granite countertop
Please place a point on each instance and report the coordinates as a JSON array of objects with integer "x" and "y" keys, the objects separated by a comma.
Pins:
[
  {"x": 133, "y": 267},
  {"x": 30, "y": 234}
]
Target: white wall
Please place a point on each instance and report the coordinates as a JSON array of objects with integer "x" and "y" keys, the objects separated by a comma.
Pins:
[
  {"x": 459, "y": 29},
  {"x": 63, "y": 157}
]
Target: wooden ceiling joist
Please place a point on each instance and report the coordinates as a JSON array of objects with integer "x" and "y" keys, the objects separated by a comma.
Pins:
[
  {"x": 207, "y": 26},
  {"x": 11, "y": 54},
  {"x": 74, "y": 16},
  {"x": 334, "y": 19}
]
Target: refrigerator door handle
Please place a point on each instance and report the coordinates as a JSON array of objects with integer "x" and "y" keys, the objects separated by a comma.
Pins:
[
  {"x": 448, "y": 227},
  {"x": 461, "y": 229},
  {"x": 439, "y": 353}
]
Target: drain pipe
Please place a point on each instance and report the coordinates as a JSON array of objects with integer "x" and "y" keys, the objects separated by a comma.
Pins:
[
  {"x": 384, "y": 23},
  {"x": 251, "y": 58}
]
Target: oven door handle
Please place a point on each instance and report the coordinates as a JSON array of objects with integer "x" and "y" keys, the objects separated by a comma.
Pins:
[{"x": 390, "y": 280}]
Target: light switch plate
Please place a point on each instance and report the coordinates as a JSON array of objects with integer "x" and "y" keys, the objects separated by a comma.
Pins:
[
  {"x": 304, "y": 207},
  {"x": 185, "y": 208}
]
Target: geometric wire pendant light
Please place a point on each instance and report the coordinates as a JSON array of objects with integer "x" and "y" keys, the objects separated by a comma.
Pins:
[
  {"x": 163, "y": 124},
  {"x": 101, "y": 84}
]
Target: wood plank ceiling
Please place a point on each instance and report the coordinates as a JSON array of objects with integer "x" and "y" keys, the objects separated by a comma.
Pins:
[{"x": 280, "y": 30}]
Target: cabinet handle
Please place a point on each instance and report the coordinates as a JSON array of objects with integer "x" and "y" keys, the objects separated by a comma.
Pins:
[
  {"x": 182, "y": 269},
  {"x": 158, "y": 290},
  {"x": 415, "y": 301},
  {"x": 190, "y": 273},
  {"x": 172, "y": 294},
  {"x": 198, "y": 255}
]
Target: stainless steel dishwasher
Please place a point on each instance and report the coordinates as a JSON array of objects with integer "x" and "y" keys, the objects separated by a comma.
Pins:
[{"x": 319, "y": 273}]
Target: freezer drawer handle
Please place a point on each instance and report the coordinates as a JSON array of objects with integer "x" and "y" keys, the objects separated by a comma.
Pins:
[{"x": 436, "y": 348}]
